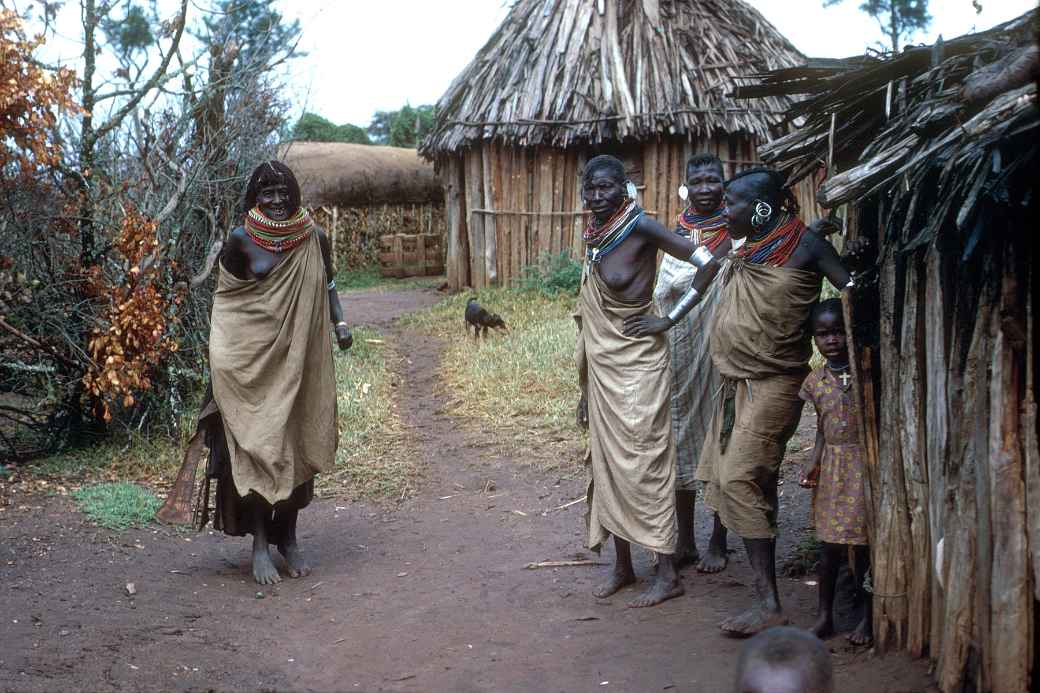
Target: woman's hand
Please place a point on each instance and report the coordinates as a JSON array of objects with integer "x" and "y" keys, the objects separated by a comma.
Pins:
[
  {"x": 581, "y": 413},
  {"x": 343, "y": 337},
  {"x": 645, "y": 325},
  {"x": 811, "y": 477}
]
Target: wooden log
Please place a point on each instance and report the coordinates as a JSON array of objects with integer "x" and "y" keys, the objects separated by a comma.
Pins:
[
  {"x": 457, "y": 262},
  {"x": 915, "y": 463},
  {"x": 1030, "y": 444},
  {"x": 893, "y": 532},
  {"x": 1011, "y": 603},
  {"x": 489, "y": 166},
  {"x": 544, "y": 186},
  {"x": 936, "y": 337},
  {"x": 474, "y": 178}
]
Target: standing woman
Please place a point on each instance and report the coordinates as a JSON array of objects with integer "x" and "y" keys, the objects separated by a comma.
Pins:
[{"x": 274, "y": 391}]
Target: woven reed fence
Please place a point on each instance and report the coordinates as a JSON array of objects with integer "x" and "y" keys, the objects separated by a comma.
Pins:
[{"x": 356, "y": 231}]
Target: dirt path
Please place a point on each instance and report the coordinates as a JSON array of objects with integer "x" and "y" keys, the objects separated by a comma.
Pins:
[{"x": 431, "y": 597}]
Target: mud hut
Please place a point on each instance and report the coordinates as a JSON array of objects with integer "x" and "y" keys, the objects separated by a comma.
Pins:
[
  {"x": 364, "y": 194},
  {"x": 933, "y": 152},
  {"x": 563, "y": 80}
]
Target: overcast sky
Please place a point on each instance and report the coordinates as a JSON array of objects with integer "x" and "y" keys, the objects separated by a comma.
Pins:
[{"x": 366, "y": 55}]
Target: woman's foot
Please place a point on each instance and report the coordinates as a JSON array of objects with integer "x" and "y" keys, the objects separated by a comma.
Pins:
[
  {"x": 295, "y": 560},
  {"x": 715, "y": 561},
  {"x": 618, "y": 579},
  {"x": 752, "y": 622},
  {"x": 264, "y": 571},
  {"x": 862, "y": 635},
  {"x": 662, "y": 590}
]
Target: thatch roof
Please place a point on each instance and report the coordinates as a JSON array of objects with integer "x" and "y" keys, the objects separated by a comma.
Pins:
[
  {"x": 937, "y": 131},
  {"x": 337, "y": 173},
  {"x": 565, "y": 72}
]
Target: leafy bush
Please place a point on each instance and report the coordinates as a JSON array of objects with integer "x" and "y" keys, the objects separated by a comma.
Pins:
[
  {"x": 117, "y": 505},
  {"x": 553, "y": 275}
]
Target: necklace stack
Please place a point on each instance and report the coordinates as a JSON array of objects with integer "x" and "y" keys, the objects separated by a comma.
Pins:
[
  {"x": 604, "y": 238},
  {"x": 777, "y": 246},
  {"x": 709, "y": 229},
  {"x": 278, "y": 236}
]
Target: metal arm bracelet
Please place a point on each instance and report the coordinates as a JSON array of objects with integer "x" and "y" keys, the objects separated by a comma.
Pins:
[
  {"x": 701, "y": 257},
  {"x": 687, "y": 301}
]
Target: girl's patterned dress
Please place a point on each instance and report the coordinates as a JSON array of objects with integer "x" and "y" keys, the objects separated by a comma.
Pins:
[{"x": 841, "y": 515}]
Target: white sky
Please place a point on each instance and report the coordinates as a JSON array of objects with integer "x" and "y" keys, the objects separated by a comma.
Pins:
[
  {"x": 366, "y": 55},
  {"x": 369, "y": 55}
]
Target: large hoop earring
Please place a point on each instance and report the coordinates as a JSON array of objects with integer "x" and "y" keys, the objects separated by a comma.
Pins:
[
  {"x": 630, "y": 189},
  {"x": 762, "y": 213},
  {"x": 684, "y": 192}
]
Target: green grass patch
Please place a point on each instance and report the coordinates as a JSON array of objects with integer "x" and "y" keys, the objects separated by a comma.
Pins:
[
  {"x": 369, "y": 278},
  {"x": 522, "y": 382},
  {"x": 117, "y": 505},
  {"x": 372, "y": 460},
  {"x": 803, "y": 559}
]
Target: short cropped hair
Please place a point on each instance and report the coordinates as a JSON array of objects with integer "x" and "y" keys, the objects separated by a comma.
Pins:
[
  {"x": 768, "y": 185},
  {"x": 272, "y": 173},
  {"x": 702, "y": 160},
  {"x": 784, "y": 647},
  {"x": 606, "y": 162},
  {"x": 829, "y": 306}
]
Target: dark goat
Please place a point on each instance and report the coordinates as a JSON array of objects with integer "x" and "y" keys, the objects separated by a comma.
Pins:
[{"x": 481, "y": 319}]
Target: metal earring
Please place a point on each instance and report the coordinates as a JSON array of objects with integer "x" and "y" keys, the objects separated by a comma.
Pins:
[
  {"x": 684, "y": 192},
  {"x": 762, "y": 213},
  {"x": 630, "y": 188}
]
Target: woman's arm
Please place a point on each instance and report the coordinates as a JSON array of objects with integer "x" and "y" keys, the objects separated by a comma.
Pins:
[{"x": 343, "y": 336}]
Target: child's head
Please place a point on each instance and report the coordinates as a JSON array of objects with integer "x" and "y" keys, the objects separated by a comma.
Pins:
[
  {"x": 784, "y": 660},
  {"x": 828, "y": 328}
]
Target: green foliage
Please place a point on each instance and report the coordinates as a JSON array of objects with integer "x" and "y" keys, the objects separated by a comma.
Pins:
[
  {"x": 258, "y": 30},
  {"x": 311, "y": 127},
  {"x": 118, "y": 505},
  {"x": 404, "y": 128},
  {"x": 804, "y": 558},
  {"x": 898, "y": 19},
  {"x": 371, "y": 278},
  {"x": 553, "y": 275},
  {"x": 131, "y": 33}
]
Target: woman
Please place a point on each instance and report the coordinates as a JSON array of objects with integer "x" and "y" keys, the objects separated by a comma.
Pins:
[{"x": 273, "y": 414}]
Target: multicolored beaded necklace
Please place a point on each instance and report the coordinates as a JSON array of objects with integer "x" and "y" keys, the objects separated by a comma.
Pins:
[
  {"x": 602, "y": 239},
  {"x": 278, "y": 236},
  {"x": 709, "y": 229},
  {"x": 777, "y": 246}
]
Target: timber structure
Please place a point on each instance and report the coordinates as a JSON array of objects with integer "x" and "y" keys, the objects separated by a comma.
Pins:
[
  {"x": 933, "y": 153},
  {"x": 560, "y": 81}
]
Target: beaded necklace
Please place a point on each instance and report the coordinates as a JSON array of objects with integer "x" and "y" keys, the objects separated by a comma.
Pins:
[
  {"x": 777, "y": 246},
  {"x": 709, "y": 229},
  {"x": 278, "y": 236},
  {"x": 602, "y": 239}
]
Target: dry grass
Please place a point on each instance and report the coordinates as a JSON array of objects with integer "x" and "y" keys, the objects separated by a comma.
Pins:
[
  {"x": 373, "y": 461},
  {"x": 522, "y": 384}
]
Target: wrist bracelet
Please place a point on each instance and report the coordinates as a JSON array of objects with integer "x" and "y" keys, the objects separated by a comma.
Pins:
[
  {"x": 344, "y": 324},
  {"x": 332, "y": 285},
  {"x": 686, "y": 301}
]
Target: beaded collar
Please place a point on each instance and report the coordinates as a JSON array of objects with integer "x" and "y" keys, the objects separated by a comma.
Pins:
[{"x": 278, "y": 236}]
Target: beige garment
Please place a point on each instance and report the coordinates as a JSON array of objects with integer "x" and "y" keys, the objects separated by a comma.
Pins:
[
  {"x": 271, "y": 361},
  {"x": 631, "y": 451},
  {"x": 694, "y": 379},
  {"x": 760, "y": 346}
]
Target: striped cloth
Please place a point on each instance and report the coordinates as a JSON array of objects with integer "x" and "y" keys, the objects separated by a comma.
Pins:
[{"x": 694, "y": 379}]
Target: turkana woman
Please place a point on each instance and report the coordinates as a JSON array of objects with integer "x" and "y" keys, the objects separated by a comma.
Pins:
[
  {"x": 274, "y": 393},
  {"x": 625, "y": 381},
  {"x": 694, "y": 380}
]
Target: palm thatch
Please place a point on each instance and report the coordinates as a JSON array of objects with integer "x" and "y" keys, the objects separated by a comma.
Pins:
[
  {"x": 566, "y": 72},
  {"x": 352, "y": 175}
]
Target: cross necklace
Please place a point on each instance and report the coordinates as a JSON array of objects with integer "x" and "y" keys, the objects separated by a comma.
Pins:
[{"x": 844, "y": 377}]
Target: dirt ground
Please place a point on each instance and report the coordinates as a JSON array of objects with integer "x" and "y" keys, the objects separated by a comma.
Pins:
[{"x": 431, "y": 596}]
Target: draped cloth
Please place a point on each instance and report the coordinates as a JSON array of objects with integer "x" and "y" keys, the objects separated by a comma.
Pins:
[
  {"x": 272, "y": 373},
  {"x": 631, "y": 451},
  {"x": 694, "y": 379},
  {"x": 760, "y": 347}
]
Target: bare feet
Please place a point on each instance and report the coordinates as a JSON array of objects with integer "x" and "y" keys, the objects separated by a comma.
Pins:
[
  {"x": 715, "y": 561},
  {"x": 264, "y": 571},
  {"x": 294, "y": 559},
  {"x": 617, "y": 580},
  {"x": 823, "y": 628},
  {"x": 688, "y": 557},
  {"x": 752, "y": 622},
  {"x": 663, "y": 589},
  {"x": 862, "y": 634}
]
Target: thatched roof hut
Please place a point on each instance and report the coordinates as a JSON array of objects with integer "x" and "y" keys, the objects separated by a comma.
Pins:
[
  {"x": 352, "y": 175},
  {"x": 935, "y": 152},
  {"x": 562, "y": 80}
]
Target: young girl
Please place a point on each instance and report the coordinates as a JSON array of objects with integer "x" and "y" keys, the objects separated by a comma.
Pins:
[{"x": 837, "y": 470}]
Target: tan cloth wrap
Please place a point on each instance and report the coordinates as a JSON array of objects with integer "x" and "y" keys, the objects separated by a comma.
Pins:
[
  {"x": 740, "y": 477},
  {"x": 694, "y": 378},
  {"x": 271, "y": 361},
  {"x": 760, "y": 346},
  {"x": 631, "y": 452}
]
